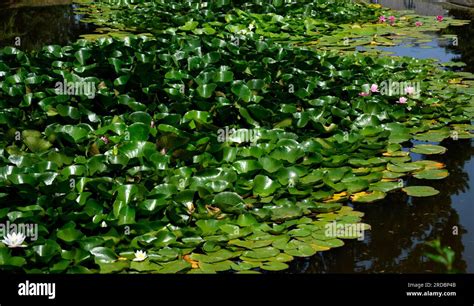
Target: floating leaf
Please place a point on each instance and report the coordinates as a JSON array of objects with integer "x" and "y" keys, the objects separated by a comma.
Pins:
[
  {"x": 428, "y": 149},
  {"x": 368, "y": 197},
  {"x": 431, "y": 174},
  {"x": 420, "y": 191}
]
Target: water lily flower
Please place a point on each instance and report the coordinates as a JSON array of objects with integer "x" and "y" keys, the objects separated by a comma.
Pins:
[
  {"x": 418, "y": 23},
  {"x": 140, "y": 256},
  {"x": 439, "y": 18},
  {"x": 104, "y": 139},
  {"x": 251, "y": 26},
  {"x": 152, "y": 124},
  {"x": 410, "y": 90},
  {"x": 14, "y": 240},
  {"x": 364, "y": 94},
  {"x": 382, "y": 18},
  {"x": 402, "y": 100},
  {"x": 374, "y": 88},
  {"x": 391, "y": 19}
]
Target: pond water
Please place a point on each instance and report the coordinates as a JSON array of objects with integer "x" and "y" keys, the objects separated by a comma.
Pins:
[
  {"x": 39, "y": 23},
  {"x": 400, "y": 225}
]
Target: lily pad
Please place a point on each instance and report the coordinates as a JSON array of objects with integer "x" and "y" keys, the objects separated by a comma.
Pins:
[
  {"x": 431, "y": 174},
  {"x": 428, "y": 149},
  {"x": 420, "y": 191},
  {"x": 368, "y": 197}
]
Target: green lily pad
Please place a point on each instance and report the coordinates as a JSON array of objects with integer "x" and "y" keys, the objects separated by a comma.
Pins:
[
  {"x": 428, "y": 149},
  {"x": 368, "y": 197},
  {"x": 420, "y": 191},
  {"x": 259, "y": 253},
  {"x": 431, "y": 174},
  {"x": 274, "y": 266}
]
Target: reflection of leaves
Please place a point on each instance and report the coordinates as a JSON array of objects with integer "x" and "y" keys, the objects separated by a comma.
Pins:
[{"x": 444, "y": 255}]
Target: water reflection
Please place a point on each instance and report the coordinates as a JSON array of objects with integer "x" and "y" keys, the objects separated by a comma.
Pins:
[
  {"x": 33, "y": 27},
  {"x": 465, "y": 34},
  {"x": 421, "y": 7}
]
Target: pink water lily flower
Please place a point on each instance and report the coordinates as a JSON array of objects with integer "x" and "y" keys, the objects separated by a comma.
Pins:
[
  {"x": 382, "y": 18},
  {"x": 402, "y": 100},
  {"x": 410, "y": 90},
  {"x": 364, "y": 94},
  {"x": 391, "y": 19},
  {"x": 374, "y": 88},
  {"x": 439, "y": 18},
  {"x": 418, "y": 23},
  {"x": 104, "y": 139}
]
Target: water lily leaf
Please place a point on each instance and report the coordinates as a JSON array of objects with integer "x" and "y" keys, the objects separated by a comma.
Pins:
[
  {"x": 428, "y": 149},
  {"x": 103, "y": 255},
  {"x": 299, "y": 249},
  {"x": 69, "y": 234},
  {"x": 250, "y": 244},
  {"x": 420, "y": 191},
  {"x": 386, "y": 186},
  {"x": 299, "y": 232},
  {"x": 138, "y": 131},
  {"x": 214, "y": 257},
  {"x": 430, "y": 164},
  {"x": 209, "y": 227},
  {"x": 368, "y": 197},
  {"x": 260, "y": 253},
  {"x": 433, "y": 135},
  {"x": 274, "y": 266},
  {"x": 113, "y": 267},
  {"x": 264, "y": 186},
  {"x": 206, "y": 90},
  {"x": 82, "y": 56},
  {"x": 223, "y": 76},
  {"x": 134, "y": 149},
  {"x": 37, "y": 145},
  {"x": 48, "y": 249},
  {"x": 242, "y": 91},
  {"x": 78, "y": 133},
  {"x": 229, "y": 202},
  {"x": 246, "y": 220},
  {"x": 174, "y": 267},
  {"x": 143, "y": 266},
  {"x": 330, "y": 243},
  {"x": 431, "y": 174},
  {"x": 406, "y": 167},
  {"x": 126, "y": 215},
  {"x": 244, "y": 166},
  {"x": 285, "y": 213},
  {"x": 127, "y": 193}
]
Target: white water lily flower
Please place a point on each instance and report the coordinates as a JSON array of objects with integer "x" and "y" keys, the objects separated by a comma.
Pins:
[
  {"x": 140, "y": 256},
  {"x": 251, "y": 27},
  {"x": 14, "y": 240}
]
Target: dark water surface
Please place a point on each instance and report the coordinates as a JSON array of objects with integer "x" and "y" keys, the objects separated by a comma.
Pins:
[
  {"x": 47, "y": 22},
  {"x": 400, "y": 224}
]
